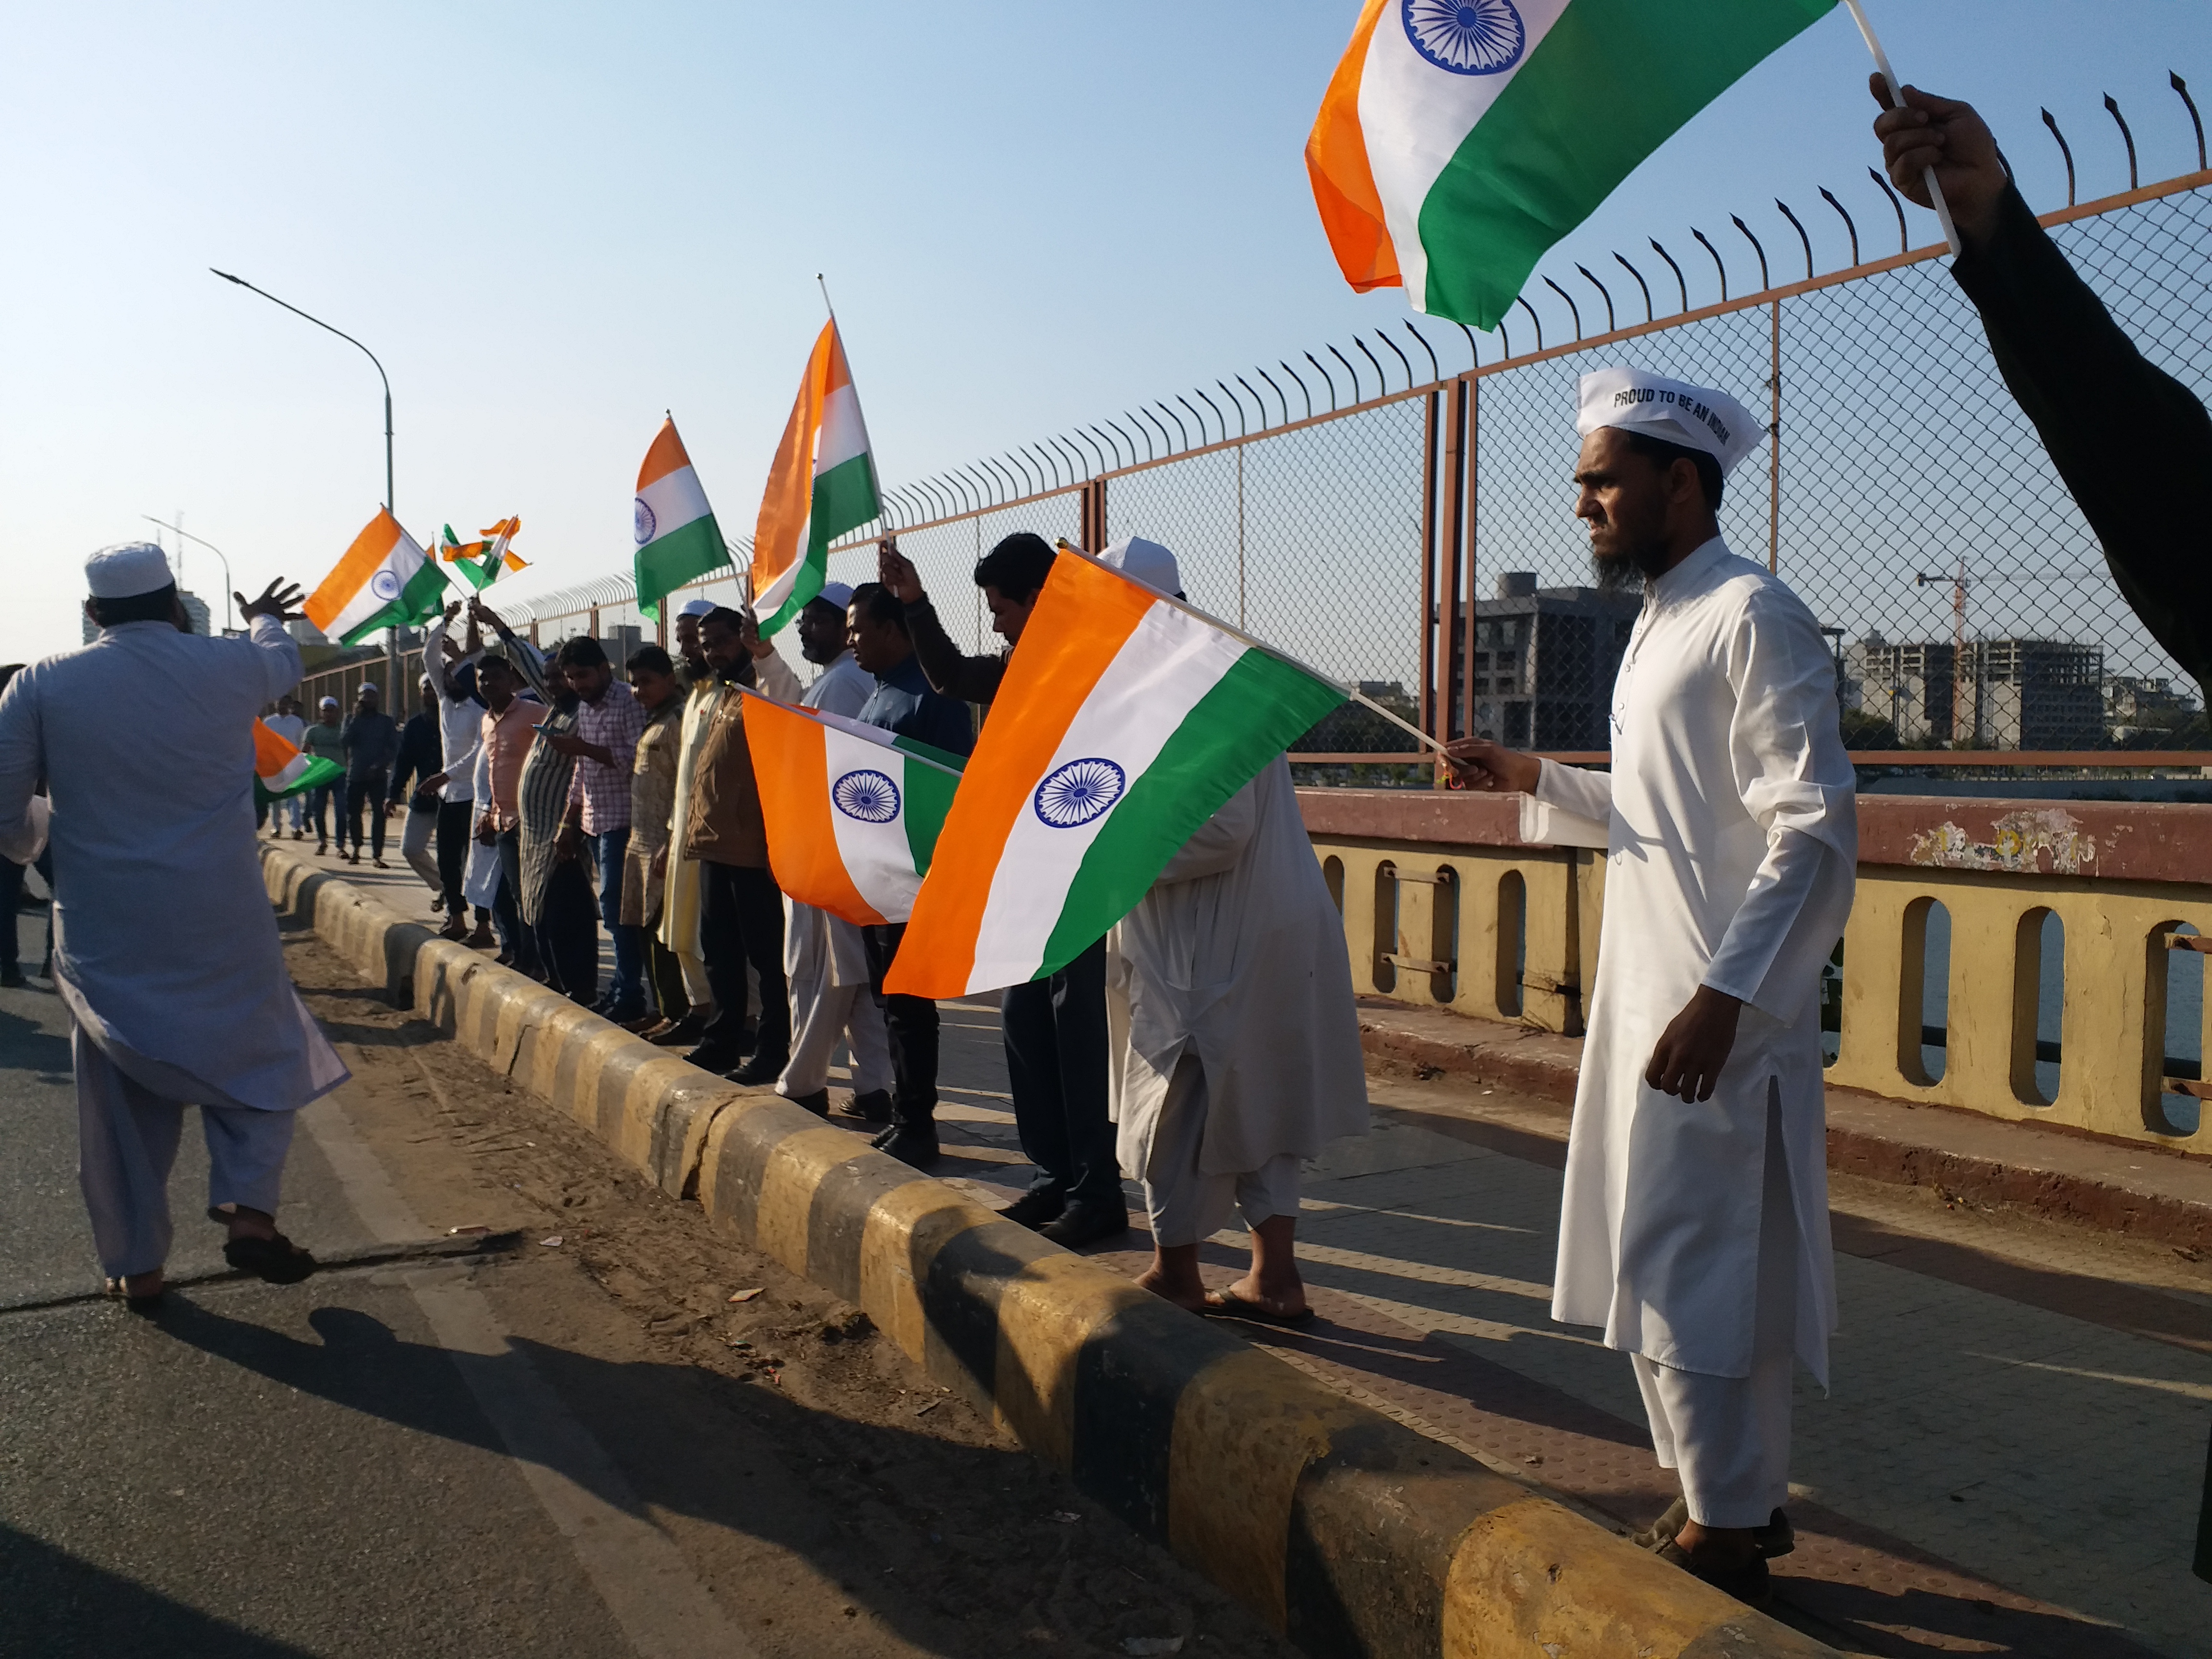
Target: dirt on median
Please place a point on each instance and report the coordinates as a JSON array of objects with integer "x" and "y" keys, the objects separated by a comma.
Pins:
[{"x": 809, "y": 1463}]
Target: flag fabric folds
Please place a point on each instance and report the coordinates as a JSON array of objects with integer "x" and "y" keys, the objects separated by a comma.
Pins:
[
  {"x": 1124, "y": 722},
  {"x": 1460, "y": 139},
  {"x": 853, "y": 811},
  {"x": 282, "y": 768},
  {"x": 481, "y": 561},
  {"x": 822, "y": 485},
  {"x": 676, "y": 536},
  {"x": 384, "y": 580}
]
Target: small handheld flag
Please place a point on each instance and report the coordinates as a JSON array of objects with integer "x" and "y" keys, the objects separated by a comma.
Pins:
[
  {"x": 676, "y": 538},
  {"x": 280, "y": 769},
  {"x": 481, "y": 561},
  {"x": 384, "y": 581},
  {"x": 822, "y": 485}
]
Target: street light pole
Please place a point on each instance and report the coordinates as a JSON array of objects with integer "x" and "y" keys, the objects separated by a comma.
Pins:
[
  {"x": 350, "y": 341},
  {"x": 211, "y": 548}
]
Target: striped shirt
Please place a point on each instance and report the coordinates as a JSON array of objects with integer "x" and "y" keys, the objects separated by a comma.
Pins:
[
  {"x": 615, "y": 722},
  {"x": 541, "y": 801}
]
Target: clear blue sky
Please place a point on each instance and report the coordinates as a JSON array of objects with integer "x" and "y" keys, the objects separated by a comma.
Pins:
[{"x": 552, "y": 222}]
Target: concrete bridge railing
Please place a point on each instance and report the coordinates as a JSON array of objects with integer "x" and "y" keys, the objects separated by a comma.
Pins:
[{"x": 1445, "y": 907}]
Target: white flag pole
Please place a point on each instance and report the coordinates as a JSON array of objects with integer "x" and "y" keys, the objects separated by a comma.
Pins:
[
  {"x": 1351, "y": 693},
  {"x": 1897, "y": 101}
]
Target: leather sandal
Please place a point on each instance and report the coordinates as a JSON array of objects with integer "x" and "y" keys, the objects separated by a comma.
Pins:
[
  {"x": 1750, "y": 1584},
  {"x": 275, "y": 1260}
]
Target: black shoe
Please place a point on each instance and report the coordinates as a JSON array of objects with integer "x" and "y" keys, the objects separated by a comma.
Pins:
[
  {"x": 817, "y": 1102},
  {"x": 1750, "y": 1584},
  {"x": 1777, "y": 1537},
  {"x": 873, "y": 1107},
  {"x": 685, "y": 1033},
  {"x": 1035, "y": 1207},
  {"x": 761, "y": 1069},
  {"x": 912, "y": 1143},
  {"x": 713, "y": 1057},
  {"x": 883, "y": 1137},
  {"x": 11, "y": 977},
  {"x": 1085, "y": 1222}
]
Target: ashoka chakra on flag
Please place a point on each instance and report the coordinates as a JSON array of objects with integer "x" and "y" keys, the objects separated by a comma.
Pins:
[
  {"x": 1079, "y": 791},
  {"x": 1468, "y": 37},
  {"x": 871, "y": 797}
]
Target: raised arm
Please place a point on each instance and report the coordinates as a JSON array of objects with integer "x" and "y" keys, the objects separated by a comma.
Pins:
[
  {"x": 950, "y": 670},
  {"x": 278, "y": 653}
]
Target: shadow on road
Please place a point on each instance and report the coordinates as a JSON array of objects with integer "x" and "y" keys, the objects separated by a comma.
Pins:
[{"x": 57, "y": 1603}]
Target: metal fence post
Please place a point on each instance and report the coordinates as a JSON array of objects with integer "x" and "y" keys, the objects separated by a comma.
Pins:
[
  {"x": 1774, "y": 446},
  {"x": 1432, "y": 704}
]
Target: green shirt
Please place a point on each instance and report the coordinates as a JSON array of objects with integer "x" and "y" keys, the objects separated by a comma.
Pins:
[{"x": 328, "y": 741}]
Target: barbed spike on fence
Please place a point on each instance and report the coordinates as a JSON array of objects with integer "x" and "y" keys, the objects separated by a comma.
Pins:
[
  {"x": 1645, "y": 287},
  {"x": 1240, "y": 428},
  {"x": 1534, "y": 318},
  {"x": 1294, "y": 375},
  {"x": 1143, "y": 431},
  {"x": 1180, "y": 431},
  {"x": 1474, "y": 356},
  {"x": 1897, "y": 204},
  {"x": 2064, "y": 149},
  {"x": 1612, "y": 324},
  {"x": 1152, "y": 424},
  {"x": 1325, "y": 375},
  {"x": 1765, "y": 282},
  {"x": 1680, "y": 281},
  {"x": 1350, "y": 370},
  {"x": 1401, "y": 356},
  {"x": 1199, "y": 418},
  {"x": 1002, "y": 474},
  {"x": 1802, "y": 236},
  {"x": 1376, "y": 363},
  {"x": 1258, "y": 402},
  {"x": 1717, "y": 265},
  {"x": 1078, "y": 459},
  {"x": 1097, "y": 453},
  {"x": 2113, "y": 108},
  {"x": 1216, "y": 408},
  {"x": 1436, "y": 370},
  {"x": 1573, "y": 310},
  {"x": 2195, "y": 120},
  {"x": 1285, "y": 402},
  {"x": 1504, "y": 342},
  {"x": 1039, "y": 452},
  {"x": 1829, "y": 196}
]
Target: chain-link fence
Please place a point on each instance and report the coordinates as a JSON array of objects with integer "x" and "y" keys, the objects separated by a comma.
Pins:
[{"x": 1418, "y": 540}]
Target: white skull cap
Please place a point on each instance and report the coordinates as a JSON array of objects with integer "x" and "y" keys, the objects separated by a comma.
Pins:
[
  {"x": 696, "y": 608},
  {"x": 1695, "y": 417},
  {"x": 837, "y": 593},
  {"x": 1145, "y": 561},
  {"x": 125, "y": 571}
]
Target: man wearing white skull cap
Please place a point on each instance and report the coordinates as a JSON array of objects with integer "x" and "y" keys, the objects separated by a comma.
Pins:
[
  {"x": 165, "y": 951},
  {"x": 1694, "y": 1227}
]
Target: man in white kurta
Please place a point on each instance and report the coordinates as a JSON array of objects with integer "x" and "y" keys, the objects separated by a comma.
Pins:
[
  {"x": 824, "y": 958},
  {"x": 165, "y": 951},
  {"x": 1695, "y": 1223},
  {"x": 1236, "y": 1039}
]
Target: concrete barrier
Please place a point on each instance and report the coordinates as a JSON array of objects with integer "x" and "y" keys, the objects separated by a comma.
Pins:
[{"x": 1350, "y": 1533}]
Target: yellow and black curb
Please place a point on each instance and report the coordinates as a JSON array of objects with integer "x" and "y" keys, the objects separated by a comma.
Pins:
[{"x": 1351, "y": 1534}]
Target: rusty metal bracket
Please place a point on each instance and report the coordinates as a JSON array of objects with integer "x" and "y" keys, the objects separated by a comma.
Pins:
[{"x": 1420, "y": 965}]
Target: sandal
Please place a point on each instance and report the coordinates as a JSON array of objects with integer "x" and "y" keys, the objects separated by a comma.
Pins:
[
  {"x": 144, "y": 1306},
  {"x": 1227, "y": 1304},
  {"x": 275, "y": 1260},
  {"x": 1777, "y": 1537},
  {"x": 1750, "y": 1584}
]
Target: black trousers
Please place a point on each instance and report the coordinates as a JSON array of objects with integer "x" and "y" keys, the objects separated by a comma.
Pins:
[
  {"x": 1054, "y": 1030},
  {"x": 911, "y": 1024},
  {"x": 455, "y": 819},
  {"x": 741, "y": 920},
  {"x": 367, "y": 791},
  {"x": 521, "y": 942},
  {"x": 567, "y": 932},
  {"x": 665, "y": 975}
]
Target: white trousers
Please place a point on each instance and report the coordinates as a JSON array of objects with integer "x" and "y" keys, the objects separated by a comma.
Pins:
[
  {"x": 127, "y": 1138},
  {"x": 697, "y": 991},
  {"x": 820, "y": 1015},
  {"x": 418, "y": 845},
  {"x": 1729, "y": 1435},
  {"x": 1187, "y": 1205}
]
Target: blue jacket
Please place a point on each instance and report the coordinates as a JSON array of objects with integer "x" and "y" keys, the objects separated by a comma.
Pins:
[{"x": 902, "y": 703}]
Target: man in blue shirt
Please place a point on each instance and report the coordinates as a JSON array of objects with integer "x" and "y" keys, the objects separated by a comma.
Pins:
[
  {"x": 902, "y": 703},
  {"x": 372, "y": 744}
]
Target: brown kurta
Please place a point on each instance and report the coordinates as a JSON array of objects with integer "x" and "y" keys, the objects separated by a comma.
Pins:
[
  {"x": 725, "y": 824},
  {"x": 651, "y": 798}
]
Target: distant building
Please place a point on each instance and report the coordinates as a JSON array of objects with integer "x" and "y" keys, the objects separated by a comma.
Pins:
[
  {"x": 2003, "y": 694},
  {"x": 304, "y": 632},
  {"x": 1545, "y": 659},
  {"x": 2135, "y": 705}
]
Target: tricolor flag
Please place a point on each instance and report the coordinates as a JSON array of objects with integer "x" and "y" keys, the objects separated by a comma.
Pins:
[
  {"x": 676, "y": 538},
  {"x": 1460, "y": 139},
  {"x": 853, "y": 811},
  {"x": 481, "y": 561},
  {"x": 384, "y": 580},
  {"x": 822, "y": 485},
  {"x": 280, "y": 769},
  {"x": 1125, "y": 721}
]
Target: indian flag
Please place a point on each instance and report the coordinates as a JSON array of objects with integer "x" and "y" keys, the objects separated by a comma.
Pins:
[
  {"x": 1125, "y": 721},
  {"x": 384, "y": 580},
  {"x": 822, "y": 485},
  {"x": 280, "y": 769},
  {"x": 853, "y": 811},
  {"x": 1460, "y": 139},
  {"x": 481, "y": 561},
  {"x": 676, "y": 538}
]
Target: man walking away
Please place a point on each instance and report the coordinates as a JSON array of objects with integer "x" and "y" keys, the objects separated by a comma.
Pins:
[
  {"x": 422, "y": 757},
  {"x": 326, "y": 738},
  {"x": 825, "y": 956},
  {"x": 165, "y": 951},
  {"x": 903, "y": 702},
  {"x": 741, "y": 911},
  {"x": 1694, "y": 1228},
  {"x": 652, "y": 802},
  {"x": 371, "y": 744},
  {"x": 605, "y": 747},
  {"x": 1054, "y": 1028},
  {"x": 450, "y": 669},
  {"x": 287, "y": 724},
  {"x": 507, "y": 734}
]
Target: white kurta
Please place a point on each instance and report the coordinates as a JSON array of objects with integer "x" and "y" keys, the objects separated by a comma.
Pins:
[
  {"x": 1236, "y": 958},
  {"x": 1732, "y": 848},
  {"x": 460, "y": 720},
  {"x": 165, "y": 950},
  {"x": 820, "y": 949}
]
